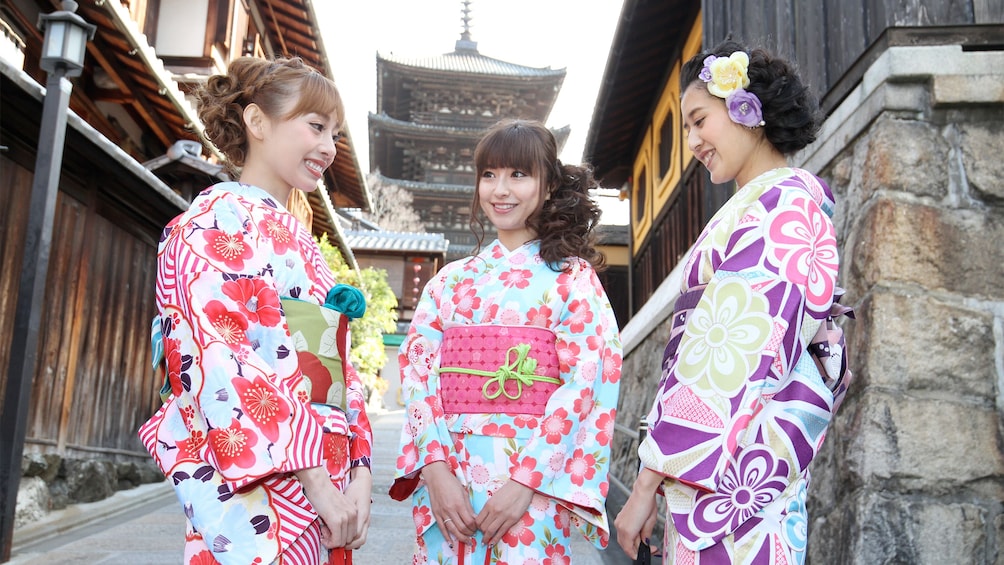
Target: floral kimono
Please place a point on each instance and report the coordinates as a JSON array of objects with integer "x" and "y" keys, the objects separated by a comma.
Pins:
[
  {"x": 742, "y": 408},
  {"x": 239, "y": 419},
  {"x": 563, "y": 453}
]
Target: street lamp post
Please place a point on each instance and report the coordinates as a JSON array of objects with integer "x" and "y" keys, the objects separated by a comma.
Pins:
[{"x": 63, "y": 50}]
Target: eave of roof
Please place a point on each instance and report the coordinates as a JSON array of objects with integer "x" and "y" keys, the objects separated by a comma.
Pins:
[
  {"x": 397, "y": 241},
  {"x": 470, "y": 61},
  {"x": 648, "y": 37}
]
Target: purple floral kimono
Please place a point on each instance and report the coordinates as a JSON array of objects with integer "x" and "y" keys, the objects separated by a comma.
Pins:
[{"x": 742, "y": 408}]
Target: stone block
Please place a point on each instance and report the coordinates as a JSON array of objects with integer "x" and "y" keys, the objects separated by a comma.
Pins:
[
  {"x": 878, "y": 527},
  {"x": 910, "y": 341},
  {"x": 982, "y": 147},
  {"x": 956, "y": 250},
  {"x": 42, "y": 465},
  {"x": 930, "y": 444},
  {"x": 32, "y": 501},
  {"x": 89, "y": 480},
  {"x": 905, "y": 155}
]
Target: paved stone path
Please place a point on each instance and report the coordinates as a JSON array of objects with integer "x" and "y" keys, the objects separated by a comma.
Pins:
[{"x": 145, "y": 525}]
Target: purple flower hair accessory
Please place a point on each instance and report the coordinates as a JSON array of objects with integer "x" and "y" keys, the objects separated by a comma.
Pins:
[
  {"x": 745, "y": 109},
  {"x": 706, "y": 71},
  {"x": 727, "y": 78}
]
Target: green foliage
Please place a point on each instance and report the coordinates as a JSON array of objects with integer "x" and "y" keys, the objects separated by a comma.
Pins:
[{"x": 367, "y": 354}]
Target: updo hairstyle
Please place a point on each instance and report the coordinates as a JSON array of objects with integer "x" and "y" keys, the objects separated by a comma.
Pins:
[
  {"x": 790, "y": 110},
  {"x": 274, "y": 86}
]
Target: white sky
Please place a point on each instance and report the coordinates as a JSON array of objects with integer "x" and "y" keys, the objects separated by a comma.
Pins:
[{"x": 570, "y": 34}]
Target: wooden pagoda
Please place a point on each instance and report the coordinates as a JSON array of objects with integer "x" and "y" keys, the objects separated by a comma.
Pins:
[{"x": 431, "y": 112}]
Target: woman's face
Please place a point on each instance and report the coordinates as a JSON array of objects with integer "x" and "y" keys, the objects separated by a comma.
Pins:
[
  {"x": 508, "y": 197},
  {"x": 724, "y": 147},
  {"x": 291, "y": 152}
]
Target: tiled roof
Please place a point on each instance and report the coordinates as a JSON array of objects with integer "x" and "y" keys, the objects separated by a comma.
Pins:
[
  {"x": 427, "y": 186},
  {"x": 396, "y": 241},
  {"x": 469, "y": 61}
]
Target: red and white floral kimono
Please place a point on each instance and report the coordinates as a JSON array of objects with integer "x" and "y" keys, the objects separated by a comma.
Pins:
[
  {"x": 563, "y": 454},
  {"x": 239, "y": 420}
]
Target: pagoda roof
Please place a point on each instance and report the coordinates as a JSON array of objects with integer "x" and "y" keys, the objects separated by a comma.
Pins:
[
  {"x": 470, "y": 61},
  {"x": 388, "y": 123},
  {"x": 369, "y": 240},
  {"x": 428, "y": 187}
]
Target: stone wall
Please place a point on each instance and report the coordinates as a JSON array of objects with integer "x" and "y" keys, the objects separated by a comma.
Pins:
[
  {"x": 912, "y": 469},
  {"x": 51, "y": 482}
]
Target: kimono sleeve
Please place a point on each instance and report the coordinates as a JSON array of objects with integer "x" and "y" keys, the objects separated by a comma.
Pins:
[
  {"x": 361, "y": 432},
  {"x": 233, "y": 375},
  {"x": 425, "y": 437},
  {"x": 741, "y": 347},
  {"x": 568, "y": 455}
]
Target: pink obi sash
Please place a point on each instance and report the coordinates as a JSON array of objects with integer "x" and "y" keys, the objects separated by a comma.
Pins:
[{"x": 495, "y": 369}]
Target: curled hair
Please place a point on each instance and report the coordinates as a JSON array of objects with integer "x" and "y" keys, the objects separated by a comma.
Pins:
[
  {"x": 790, "y": 110},
  {"x": 564, "y": 221},
  {"x": 283, "y": 89}
]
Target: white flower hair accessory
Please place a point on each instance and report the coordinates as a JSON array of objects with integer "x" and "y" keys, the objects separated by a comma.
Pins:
[{"x": 728, "y": 77}]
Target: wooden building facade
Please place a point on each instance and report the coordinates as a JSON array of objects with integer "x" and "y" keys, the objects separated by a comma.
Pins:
[
  {"x": 911, "y": 142},
  {"x": 135, "y": 155}
]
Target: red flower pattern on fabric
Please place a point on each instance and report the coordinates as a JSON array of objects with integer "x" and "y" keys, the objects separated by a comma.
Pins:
[
  {"x": 228, "y": 248},
  {"x": 519, "y": 278},
  {"x": 282, "y": 239},
  {"x": 466, "y": 298},
  {"x": 496, "y": 430},
  {"x": 232, "y": 445},
  {"x": 580, "y": 316},
  {"x": 556, "y": 555},
  {"x": 526, "y": 472},
  {"x": 539, "y": 316},
  {"x": 230, "y": 325},
  {"x": 408, "y": 458},
  {"x": 422, "y": 516},
  {"x": 263, "y": 404},
  {"x": 204, "y": 557},
  {"x": 581, "y": 466},
  {"x": 606, "y": 425},
  {"x": 256, "y": 300},
  {"x": 556, "y": 426},
  {"x": 568, "y": 355},
  {"x": 521, "y": 533}
]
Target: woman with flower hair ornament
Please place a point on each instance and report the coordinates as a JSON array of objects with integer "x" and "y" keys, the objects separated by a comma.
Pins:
[
  {"x": 263, "y": 431},
  {"x": 743, "y": 404},
  {"x": 511, "y": 370}
]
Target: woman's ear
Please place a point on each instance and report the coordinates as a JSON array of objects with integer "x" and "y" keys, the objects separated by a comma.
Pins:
[{"x": 254, "y": 120}]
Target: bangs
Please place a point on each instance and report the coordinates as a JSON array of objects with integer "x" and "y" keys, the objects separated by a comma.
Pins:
[
  {"x": 318, "y": 95},
  {"x": 515, "y": 147}
]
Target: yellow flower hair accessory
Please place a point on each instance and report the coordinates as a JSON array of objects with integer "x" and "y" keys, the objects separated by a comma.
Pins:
[{"x": 728, "y": 77}]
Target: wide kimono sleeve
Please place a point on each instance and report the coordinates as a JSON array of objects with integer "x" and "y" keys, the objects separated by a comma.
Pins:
[
  {"x": 425, "y": 437},
  {"x": 233, "y": 371},
  {"x": 568, "y": 455},
  {"x": 741, "y": 405}
]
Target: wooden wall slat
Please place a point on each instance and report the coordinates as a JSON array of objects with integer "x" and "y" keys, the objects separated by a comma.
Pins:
[{"x": 15, "y": 187}]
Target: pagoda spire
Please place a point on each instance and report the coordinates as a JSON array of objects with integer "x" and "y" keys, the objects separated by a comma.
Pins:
[{"x": 465, "y": 43}]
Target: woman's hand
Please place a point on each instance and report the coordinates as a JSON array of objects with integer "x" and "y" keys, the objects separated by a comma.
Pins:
[
  {"x": 636, "y": 519},
  {"x": 451, "y": 504},
  {"x": 503, "y": 510},
  {"x": 338, "y": 514},
  {"x": 360, "y": 493}
]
